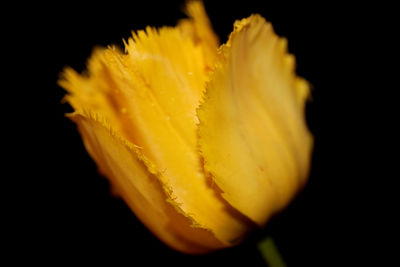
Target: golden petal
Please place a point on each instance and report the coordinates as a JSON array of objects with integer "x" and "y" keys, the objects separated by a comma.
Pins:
[
  {"x": 126, "y": 167},
  {"x": 163, "y": 111},
  {"x": 252, "y": 134},
  {"x": 172, "y": 72}
]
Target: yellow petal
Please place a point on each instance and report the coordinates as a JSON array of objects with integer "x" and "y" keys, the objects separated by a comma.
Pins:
[
  {"x": 198, "y": 27},
  {"x": 163, "y": 112},
  {"x": 253, "y": 134},
  {"x": 95, "y": 90},
  {"x": 172, "y": 73},
  {"x": 150, "y": 96},
  {"x": 125, "y": 166}
]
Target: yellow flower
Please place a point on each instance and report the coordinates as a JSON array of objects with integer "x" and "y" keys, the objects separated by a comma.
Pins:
[{"x": 203, "y": 143}]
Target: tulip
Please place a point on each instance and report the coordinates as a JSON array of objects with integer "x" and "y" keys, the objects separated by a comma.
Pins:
[{"x": 204, "y": 143}]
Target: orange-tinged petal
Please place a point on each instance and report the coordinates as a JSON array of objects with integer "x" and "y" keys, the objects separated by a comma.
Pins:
[
  {"x": 125, "y": 166},
  {"x": 252, "y": 132}
]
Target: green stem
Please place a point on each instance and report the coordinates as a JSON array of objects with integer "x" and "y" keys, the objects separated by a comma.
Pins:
[{"x": 270, "y": 253}]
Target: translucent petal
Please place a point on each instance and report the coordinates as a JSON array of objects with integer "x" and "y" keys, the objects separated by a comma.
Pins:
[
  {"x": 253, "y": 134},
  {"x": 198, "y": 27}
]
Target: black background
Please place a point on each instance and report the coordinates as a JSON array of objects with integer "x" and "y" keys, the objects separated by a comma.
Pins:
[{"x": 69, "y": 214}]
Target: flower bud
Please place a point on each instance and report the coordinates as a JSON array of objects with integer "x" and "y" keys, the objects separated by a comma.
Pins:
[{"x": 202, "y": 143}]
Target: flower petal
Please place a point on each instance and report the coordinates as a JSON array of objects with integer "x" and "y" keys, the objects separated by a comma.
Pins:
[
  {"x": 163, "y": 110},
  {"x": 253, "y": 134},
  {"x": 96, "y": 90},
  {"x": 198, "y": 27},
  {"x": 125, "y": 166},
  {"x": 172, "y": 70}
]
